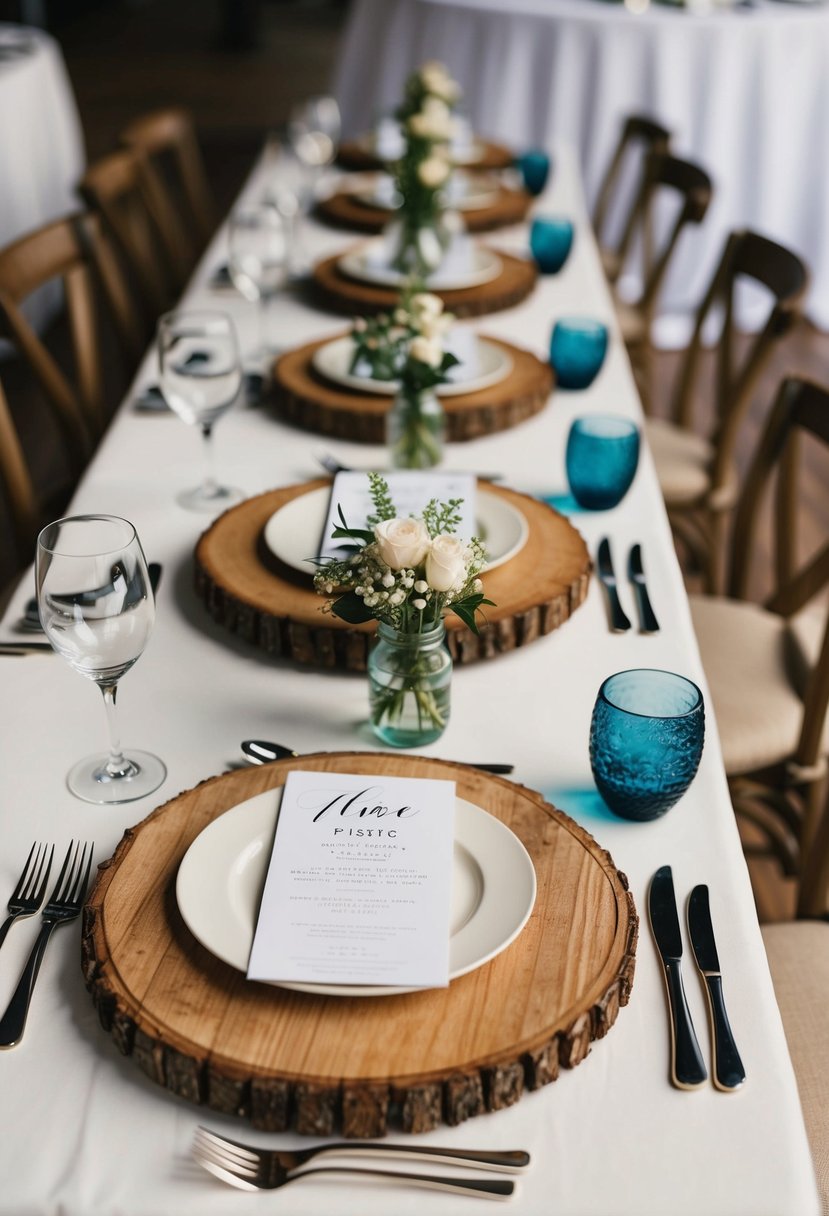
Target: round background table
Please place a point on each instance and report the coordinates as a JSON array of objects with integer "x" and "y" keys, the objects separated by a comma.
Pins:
[{"x": 744, "y": 90}]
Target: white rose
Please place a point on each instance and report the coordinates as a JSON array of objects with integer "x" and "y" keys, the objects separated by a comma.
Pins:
[
  {"x": 433, "y": 171},
  {"x": 425, "y": 304},
  {"x": 426, "y": 350},
  {"x": 445, "y": 563},
  {"x": 435, "y": 109},
  {"x": 432, "y": 126},
  {"x": 401, "y": 543}
]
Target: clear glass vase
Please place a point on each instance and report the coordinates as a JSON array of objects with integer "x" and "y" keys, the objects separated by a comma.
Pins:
[
  {"x": 414, "y": 249},
  {"x": 415, "y": 429},
  {"x": 409, "y": 680}
]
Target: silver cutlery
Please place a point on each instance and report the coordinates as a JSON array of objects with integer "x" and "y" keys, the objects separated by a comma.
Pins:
[
  {"x": 687, "y": 1067},
  {"x": 729, "y": 1072},
  {"x": 334, "y": 466},
  {"x": 647, "y": 617},
  {"x": 27, "y": 896},
  {"x": 510, "y": 1161},
  {"x": 270, "y": 1175},
  {"x": 63, "y": 907},
  {"x": 607, "y": 577},
  {"x": 20, "y": 649},
  {"x": 262, "y": 751}
]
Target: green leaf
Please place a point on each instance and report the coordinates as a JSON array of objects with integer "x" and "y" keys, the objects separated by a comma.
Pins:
[{"x": 351, "y": 608}]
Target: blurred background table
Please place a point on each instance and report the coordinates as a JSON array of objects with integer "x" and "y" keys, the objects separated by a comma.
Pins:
[{"x": 547, "y": 70}]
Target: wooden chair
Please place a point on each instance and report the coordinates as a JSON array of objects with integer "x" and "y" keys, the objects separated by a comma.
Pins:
[
  {"x": 74, "y": 252},
  {"x": 18, "y": 491},
  {"x": 126, "y": 190},
  {"x": 686, "y": 188},
  {"x": 697, "y": 474},
  {"x": 768, "y": 666},
  {"x": 167, "y": 138},
  {"x": 640, "y": 135}
]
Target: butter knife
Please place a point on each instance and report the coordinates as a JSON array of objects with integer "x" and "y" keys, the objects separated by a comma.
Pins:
[
  {"x": 729, "y": 1072},
  {"x": 607, "y": 577},
  {"x": 687, "y": 1066},
  {"x": 262, "y": 751},
  {"x": 636, "y": 574}
]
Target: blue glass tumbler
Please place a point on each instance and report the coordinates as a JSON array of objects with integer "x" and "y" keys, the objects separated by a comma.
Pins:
[
  {"x": 601, "y": 459},
  {"x": 646, "y": 740},
  {"x": 577, "y": 350},
  {"x": 551, "y": 239},
  {"x": 535, "y": 169}
]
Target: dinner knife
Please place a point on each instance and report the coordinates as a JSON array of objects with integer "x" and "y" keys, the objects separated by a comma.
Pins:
[
  {"x": 636, "y": 574},
  {"x": 687, "y": 1066},
  {"x": 261, "y": 751},
  {"x": 729, "y": 1072},
  {"x": 607, "y": 577}
]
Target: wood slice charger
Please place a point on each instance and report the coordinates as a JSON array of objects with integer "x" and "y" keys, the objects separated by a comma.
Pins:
[
  {"x": 345, "y": 209},
  {"x": 338, "y": 292},
  {"x": 246, "y": 589},
  {"x": 358, "y": 154},
  {"x": 363, "y": 1065},
  {"x": 305, "y": 398}
]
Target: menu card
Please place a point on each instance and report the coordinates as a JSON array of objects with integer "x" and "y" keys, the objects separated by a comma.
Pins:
[
  {"x": 410, "y": 491},
  {"x": 359, "y": 883}
]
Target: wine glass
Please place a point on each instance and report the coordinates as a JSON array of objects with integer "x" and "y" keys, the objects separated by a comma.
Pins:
[
  {"x": 200, "y": 377},
  {"x": 257, "y": 260},
  {"x": 314, "y": 131},
  {"x": 97, "y": 608}
]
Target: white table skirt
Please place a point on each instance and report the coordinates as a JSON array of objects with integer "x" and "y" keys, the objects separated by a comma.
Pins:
[
  {"x": 745, "y": 93},
  {"x": 85, "y": 1134}
]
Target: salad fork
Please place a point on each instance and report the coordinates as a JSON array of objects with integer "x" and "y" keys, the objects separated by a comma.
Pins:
[
  {"x": 266, "y": 1173},
  {"x": 248, "y": 1156},
  {"x": 27, "y": 896},
  {"x": 64, "y": 906}
]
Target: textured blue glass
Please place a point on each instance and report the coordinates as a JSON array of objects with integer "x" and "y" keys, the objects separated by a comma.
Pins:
[
  {"x": 535, "y": 169},
  {"x": 551, "y": 239},
  {"x": 602, "y": 455},
  {"x": 577, "y": 351},
  {"x": 646, "y": 740}
]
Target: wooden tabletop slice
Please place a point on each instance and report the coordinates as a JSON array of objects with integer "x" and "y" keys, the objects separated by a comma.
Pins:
[
  {"x": 358, "y": 154},
  {"x": 363, "y": 1066},
  {"x": 273, "y": 607},
  {"x": 346, "y": 210},
  {"x": 353, "y": 296},
  {"x": 305, "y": 398}
]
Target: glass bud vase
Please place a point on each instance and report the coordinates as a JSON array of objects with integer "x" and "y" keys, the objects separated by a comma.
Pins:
[
  {"x": 414, "y": 249},
  {"x": 409, "y": 680},
  {"x": 415, "y": 429}
]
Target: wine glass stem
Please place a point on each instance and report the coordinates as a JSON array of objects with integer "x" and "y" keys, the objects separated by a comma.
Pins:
[
  {"x": 210, "y": 485},
  {"x": 116, "y": 765}
]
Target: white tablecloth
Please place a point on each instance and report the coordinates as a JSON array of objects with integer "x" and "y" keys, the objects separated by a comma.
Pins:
[
  {"x": 745, "y": 92},
  {"x": 85, "y": 1134},
  {"x": 41, "y": 142}
]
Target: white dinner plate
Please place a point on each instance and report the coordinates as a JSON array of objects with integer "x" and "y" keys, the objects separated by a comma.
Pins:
[
  {"x": 465, "y": 192},
  {"x": 367, "y": 264},
  {"x": 293, "y": 534},
  {"x": 222, "y": 874},
  {"x": 492, "y": 364}
]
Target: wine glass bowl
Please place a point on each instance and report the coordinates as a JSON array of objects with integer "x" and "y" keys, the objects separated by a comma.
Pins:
[
  {"x": 97, "y": 608},
  {"x": 200, "y": 378},
  {"x": 258, "y": 248}
]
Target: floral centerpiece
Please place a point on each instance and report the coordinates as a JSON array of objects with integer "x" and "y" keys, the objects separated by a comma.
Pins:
[
  {"x": 406, "y": 574},
  {"x": 422, "y": 172},
  {"x": 408, "y": 346}
]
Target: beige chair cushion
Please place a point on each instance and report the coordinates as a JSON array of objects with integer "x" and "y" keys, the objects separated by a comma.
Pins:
[
  {"x": 798, "y": 957},
  {"x": 744, "y": 652},
  {"x": 683, "y": 461},
  {"x": 632, "y": 322}
]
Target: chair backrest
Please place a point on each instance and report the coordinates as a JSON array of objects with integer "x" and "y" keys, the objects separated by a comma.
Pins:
[
  {"x": 801, "y": 408},
  {"x": 691, "y": 190},
  {"x": 73, "y": 251},
  {"x": 18, "y": 489},
  {"x": 126, "y": 190},
  {"x": 168, "y": 139},
  {"x": 747, "y": 256},
  {"x": 640, "y": 135}
]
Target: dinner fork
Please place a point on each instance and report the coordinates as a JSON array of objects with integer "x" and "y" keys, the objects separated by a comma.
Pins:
[
  {"x": 269, "y": 1175},
  {"x": 27, "y": 896},
  {"x": 64, "y": 906},
  {"x": 247, "y": 1155}
]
